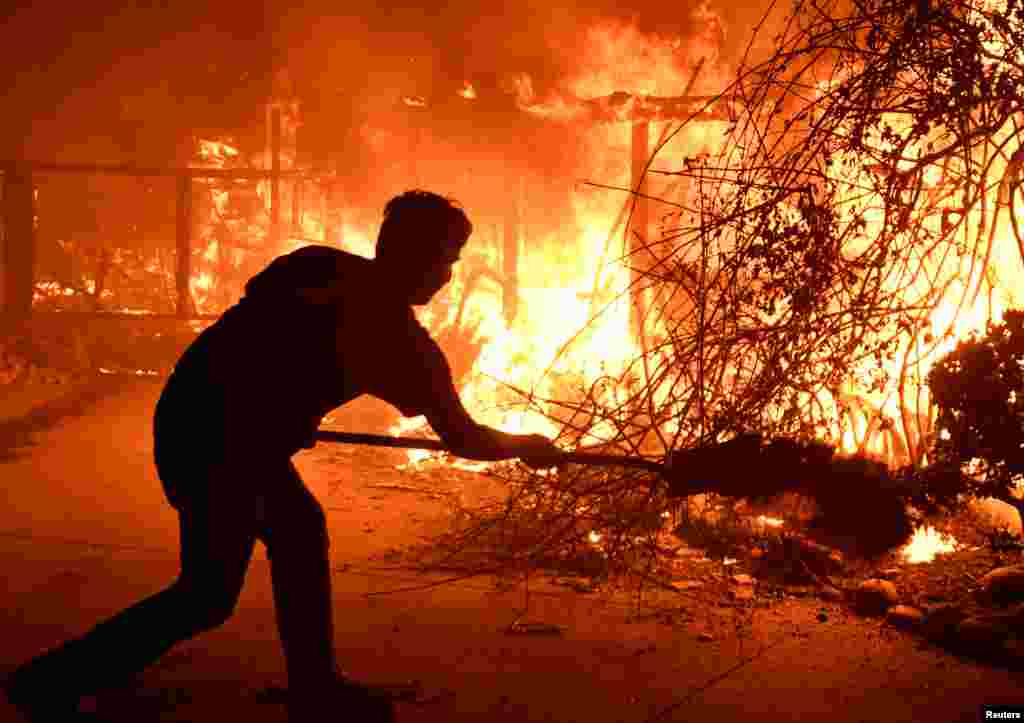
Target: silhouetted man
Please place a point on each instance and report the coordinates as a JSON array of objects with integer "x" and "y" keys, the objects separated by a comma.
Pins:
[{"x": 315, "y": 329}]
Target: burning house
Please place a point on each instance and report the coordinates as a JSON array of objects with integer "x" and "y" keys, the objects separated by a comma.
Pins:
[
  {"x": 593, "y": 186},
  {"x": 675, "y": 245},
  {"x": 584, "y": 179}
]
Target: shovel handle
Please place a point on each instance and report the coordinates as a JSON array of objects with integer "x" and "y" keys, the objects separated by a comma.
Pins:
[{"x": 435, "y": 445}]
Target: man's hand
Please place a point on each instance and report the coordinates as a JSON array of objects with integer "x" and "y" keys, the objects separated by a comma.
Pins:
[
  {"x": 486, "y": 444},
  {"x": 538, "y": 451}
]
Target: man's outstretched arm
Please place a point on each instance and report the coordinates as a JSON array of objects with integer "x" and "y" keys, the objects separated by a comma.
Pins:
[
  {"x": 466, "y": 438},
  {"x": 426, "y": 387}
]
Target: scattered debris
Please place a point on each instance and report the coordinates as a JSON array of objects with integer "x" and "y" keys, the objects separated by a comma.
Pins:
[
  {"x": 940, "y": 622},
  {"x": 831, "y": 593},
  {"x": 875, "y": 596},
  {"x": 687, "y": 584},
  {"x": 799, "y": 590},
  {"x": 520, "y": 627},
  {"x": 904, "y": 616},
  {"x": 982, "y": 632},
  {"x": 743, "y": 593},
  {"x": 1004, "y": 584},
  {"x": 797, "y": 560},
  {"x": 432, "y": 493},
  {"x": 581, "y": 585}
]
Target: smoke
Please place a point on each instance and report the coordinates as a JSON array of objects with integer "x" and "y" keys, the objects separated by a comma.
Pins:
[
  {"x": 352, "y": 69},
  {"x": 369, "y": 51},
  {"x": 353, "y": 61}
]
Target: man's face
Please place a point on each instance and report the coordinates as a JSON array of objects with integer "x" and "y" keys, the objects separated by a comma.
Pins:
[{"x": 434, "y": 277}]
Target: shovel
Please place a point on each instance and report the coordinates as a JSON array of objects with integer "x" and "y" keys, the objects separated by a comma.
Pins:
[
  {"x": 589, "y": 458},
  {"x": 861, "y": 506}
]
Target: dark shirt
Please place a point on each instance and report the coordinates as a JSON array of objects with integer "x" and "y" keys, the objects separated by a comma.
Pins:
[{"x": 257, "y": 382}]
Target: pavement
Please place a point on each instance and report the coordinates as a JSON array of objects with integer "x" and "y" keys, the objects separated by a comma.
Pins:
[{"x": 85, "y": 531}]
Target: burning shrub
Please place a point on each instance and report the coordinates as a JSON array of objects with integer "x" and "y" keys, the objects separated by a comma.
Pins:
[
  {"x": 979, "y": 391},
  {"x": 576, "y": 522},
  {"x": 847, "y": 228}
]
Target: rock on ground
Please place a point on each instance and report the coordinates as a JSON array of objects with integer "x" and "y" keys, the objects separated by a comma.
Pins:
[
  {"x": 1004, "y": 584},
  {"x": 876, "y": 596}
]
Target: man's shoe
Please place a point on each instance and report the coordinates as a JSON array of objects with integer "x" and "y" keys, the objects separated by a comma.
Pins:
[
  {"x": 38, "y": 705},
  {"x": 354, "y": 701}
]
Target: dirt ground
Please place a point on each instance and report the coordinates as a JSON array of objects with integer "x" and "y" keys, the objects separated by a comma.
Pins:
[{"x": 85, "y": 531}]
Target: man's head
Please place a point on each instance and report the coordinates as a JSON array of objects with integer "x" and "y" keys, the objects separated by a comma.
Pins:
[{"x": 420, "y": 240}]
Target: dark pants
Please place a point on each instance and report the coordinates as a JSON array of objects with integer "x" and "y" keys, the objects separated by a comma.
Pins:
[{"x": 220, "y": 521}]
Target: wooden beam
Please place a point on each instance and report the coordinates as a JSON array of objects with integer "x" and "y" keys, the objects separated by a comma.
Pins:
[
  {"x": 616, "y": 107},
  {"x": 19, "y": 240},
  {"x": 327, "y": 214},
  {"x": 124, "y": 316},
  {"x": 297, "y": 189},
  {"x": 275, "y": 179},
  {"x": 627, "y": 107},
  {"x": 183, "y": 244},
  {"x": 124, "y": 169}
]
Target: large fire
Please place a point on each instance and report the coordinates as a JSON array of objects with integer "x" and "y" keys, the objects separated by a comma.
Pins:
[{"x": 573, "y": 322}]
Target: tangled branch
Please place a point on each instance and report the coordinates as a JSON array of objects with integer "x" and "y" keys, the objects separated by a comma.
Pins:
[{"x": 858, "y": 213}]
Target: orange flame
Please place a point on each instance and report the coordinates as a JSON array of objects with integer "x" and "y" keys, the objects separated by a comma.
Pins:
[
  {"x": 926, "y": 544},
  {"x": 622, "y": 58},
  {"x": 571, "y": 279}
]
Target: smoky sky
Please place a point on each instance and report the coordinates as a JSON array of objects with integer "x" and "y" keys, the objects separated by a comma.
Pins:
[
  {"x": 98, "y": 67},
  {"x": 458, "y": 41}
]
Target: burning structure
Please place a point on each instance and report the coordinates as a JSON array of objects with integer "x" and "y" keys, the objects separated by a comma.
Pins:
[{"x": 664, "y": 257}]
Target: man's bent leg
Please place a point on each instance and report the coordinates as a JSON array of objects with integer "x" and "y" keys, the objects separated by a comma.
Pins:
[
  {"x": 297, "y": 544},
  {"x": 216, "y": 546},
  {"x": 295, "y": 533}
]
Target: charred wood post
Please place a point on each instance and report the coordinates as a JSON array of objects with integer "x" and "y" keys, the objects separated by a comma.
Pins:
[
  {"x": 326, "y": 202},
  {"x": 275, "y": 179},
  {"x": 17, "y": 226},
  {"x": 183, "y": 243},
  {"x": 297, "y": 188},
  {"x": 19, "y": 244}
]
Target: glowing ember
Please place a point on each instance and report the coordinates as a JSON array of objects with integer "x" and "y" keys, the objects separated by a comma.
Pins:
[
  {"x": 202, "y": 282},
  {"x": 926, "y": 544},
  {"x": 468, "y": 91},
  {"x": 216, "y": 152},
  {"x": 595, "y": 537},
  {"x": 770, "y": 521},
  {"x": 137, "y": 372}
]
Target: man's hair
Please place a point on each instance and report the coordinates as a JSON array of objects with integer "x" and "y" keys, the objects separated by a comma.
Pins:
[{"x": 419, "y": 225}]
